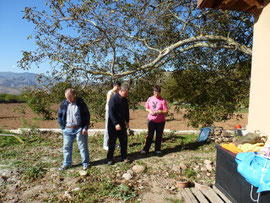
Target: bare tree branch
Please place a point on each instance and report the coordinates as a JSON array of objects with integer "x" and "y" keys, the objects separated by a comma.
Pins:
[{"x": 231, "y": 44}]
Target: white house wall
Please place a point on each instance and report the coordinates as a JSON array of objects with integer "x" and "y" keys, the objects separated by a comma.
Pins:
[{"x": 259, "y": 105}]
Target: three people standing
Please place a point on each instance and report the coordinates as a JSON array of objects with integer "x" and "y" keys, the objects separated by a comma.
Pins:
[{"x": 74, "y": 119}]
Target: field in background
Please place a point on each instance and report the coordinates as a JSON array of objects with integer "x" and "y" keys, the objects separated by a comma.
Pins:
[{"x": 15, "y": 115}]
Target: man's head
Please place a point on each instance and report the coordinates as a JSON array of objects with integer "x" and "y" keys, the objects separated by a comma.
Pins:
[
  {"x": 70, "y": 95},
  {"x": 156, "y": 90},
  {"x": 123, "y": 91},
  {"x": 116, "y": 85}
]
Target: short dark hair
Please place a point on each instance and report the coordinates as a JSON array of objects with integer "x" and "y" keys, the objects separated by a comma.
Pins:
[
  {"x": 157, "y": 88},
  {"x": 116, "y": 83}
]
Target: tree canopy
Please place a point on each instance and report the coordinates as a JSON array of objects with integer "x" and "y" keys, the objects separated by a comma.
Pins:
[
  {"x": 100, "y": 40},
  {"x": 116, "y": 38}
]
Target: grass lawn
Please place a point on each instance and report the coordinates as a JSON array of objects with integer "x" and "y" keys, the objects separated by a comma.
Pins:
[{"x": 30, "y": 170}]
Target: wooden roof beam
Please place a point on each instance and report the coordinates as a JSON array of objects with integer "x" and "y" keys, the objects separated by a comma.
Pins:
[
  {"x": 209, "y": 4},
  {"x": 257, "y": 3},
  {"x": 229, "y": 2},
  {"x": 240, "y": 5}
]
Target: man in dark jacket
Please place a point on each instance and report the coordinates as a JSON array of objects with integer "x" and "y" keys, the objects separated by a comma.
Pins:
[
  {"x": 74, "y": 119},
  {"x": 118, "y": 123}
]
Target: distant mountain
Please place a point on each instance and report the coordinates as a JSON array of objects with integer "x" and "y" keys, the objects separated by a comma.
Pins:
[{"x": 12, "y": 83}]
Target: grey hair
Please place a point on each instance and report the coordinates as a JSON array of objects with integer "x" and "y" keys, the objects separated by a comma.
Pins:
[
  {"x": 124, "y": 87},
  {"x": 71, "y": 91}
]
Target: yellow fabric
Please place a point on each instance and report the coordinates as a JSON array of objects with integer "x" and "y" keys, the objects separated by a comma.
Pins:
[
  {"x": 251, "y": 147},
  {"x": 231, "y": 147}
]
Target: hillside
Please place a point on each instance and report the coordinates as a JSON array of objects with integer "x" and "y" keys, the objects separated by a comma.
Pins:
[{"x": 12, "y": 83}]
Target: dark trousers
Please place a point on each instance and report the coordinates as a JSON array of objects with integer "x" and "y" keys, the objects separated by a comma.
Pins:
[
  {"x": 122, "y": 136},
  {"x": 152, "y": 127}
]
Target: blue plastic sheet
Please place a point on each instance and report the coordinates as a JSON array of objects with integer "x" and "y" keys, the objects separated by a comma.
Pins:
[
  {"x": 204, "y": 133},
  {"x": 255, "y": 169}
]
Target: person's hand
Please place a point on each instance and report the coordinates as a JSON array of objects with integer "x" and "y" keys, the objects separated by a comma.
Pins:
[
  {"x": 152, "y": 113},
  {"x": 117, "y": 127},
  {"x": 84, "y": 132},
  {"x": 127, "y": 124}
]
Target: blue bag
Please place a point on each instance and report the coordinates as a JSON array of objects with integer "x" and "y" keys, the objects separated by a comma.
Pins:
[{"x": 255, "y": 169}]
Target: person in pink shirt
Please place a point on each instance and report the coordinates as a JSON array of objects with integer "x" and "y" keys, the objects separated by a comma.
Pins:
[{"x": 157, "y": 108}]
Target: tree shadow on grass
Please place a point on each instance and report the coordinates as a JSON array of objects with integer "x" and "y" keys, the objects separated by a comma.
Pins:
[
  {"x": 188, "y": 146},
  {"x": 138, "y": 156}
]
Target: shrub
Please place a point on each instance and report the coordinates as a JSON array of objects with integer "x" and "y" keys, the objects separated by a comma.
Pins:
[
  {"x": 39, "y": 100},
  {"x": 10, "y": 98}
]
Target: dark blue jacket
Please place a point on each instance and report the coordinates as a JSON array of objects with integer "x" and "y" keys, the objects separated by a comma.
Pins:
[
  {"x": 118, "y": 111},
  {"x": 84, "y": 113}
]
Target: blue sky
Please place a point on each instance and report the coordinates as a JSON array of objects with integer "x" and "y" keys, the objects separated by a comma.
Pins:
[{"x": 13, "y": 34}]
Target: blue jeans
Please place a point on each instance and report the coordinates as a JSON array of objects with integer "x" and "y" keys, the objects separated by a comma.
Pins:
[{"x": 82, "y": 141}]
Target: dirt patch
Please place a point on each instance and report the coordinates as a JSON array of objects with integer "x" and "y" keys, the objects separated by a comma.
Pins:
[{"x": 14, "y": 116}]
